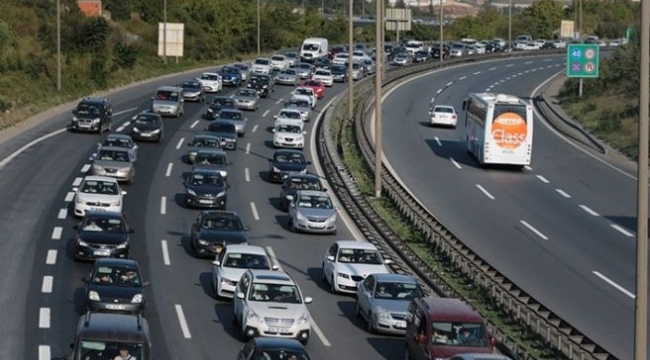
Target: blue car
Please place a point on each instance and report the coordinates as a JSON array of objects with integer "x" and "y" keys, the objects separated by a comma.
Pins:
[{"x": 230, "y": 76}]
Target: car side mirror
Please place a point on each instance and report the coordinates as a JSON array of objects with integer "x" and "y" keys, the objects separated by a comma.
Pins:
[
  {"x": 275, "y": 267},
  {"x": 290, "y": 197},
  {"x": 304, "y": 132},
  {"x": 275, "y": 116},
  {"x": 146, "y": 283},
  {"x": 152, "y": 98},
  {"x": 124, "y": 192},
  {"x": 330, "y": 258},
  {"x": 273, "y": 130},
  {"x": 388, "y": 261},
  {"x": 216, "y": 263},
  {"x": 74, "y": 111},
  {"x": 240, "y": 295},
  {"x": 493, "y": 341},
  {"x": 270, "y": 160},
  {"x": 71, "y": 345},
  {"x": 75, "y": 189},
  {"x": 85, "y": 279},
  {"x": 131, "y": 231},
  {"x": 308, "y": 300}
]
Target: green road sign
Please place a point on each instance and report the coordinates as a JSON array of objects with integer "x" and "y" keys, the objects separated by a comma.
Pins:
[{"x": 582, "y": 60}]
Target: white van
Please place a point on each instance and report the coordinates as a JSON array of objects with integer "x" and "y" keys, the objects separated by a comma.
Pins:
[
  {"x": 313, "y": 48},
  {"x": 288, "y": 133}
]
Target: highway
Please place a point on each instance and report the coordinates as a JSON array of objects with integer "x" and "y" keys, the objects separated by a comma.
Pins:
[
  {"x": 42, "y": 294},
  {"x": 562, "y": 229}
]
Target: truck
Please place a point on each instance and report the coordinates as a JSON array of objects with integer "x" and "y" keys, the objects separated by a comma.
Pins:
[{"x": 313, "y": 48}]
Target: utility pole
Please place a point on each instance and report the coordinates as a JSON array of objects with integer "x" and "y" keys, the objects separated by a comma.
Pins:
[
  {"x": 350, "y": 50},
  {"x": 441, "y": 54},
  {"x": 58, "y": 45},
  {"x": 510, "y": 26},
  {"x": 378, "y": 100},
  {"x": 165, "y": 32},
  {"x": 259, "y": 25}
]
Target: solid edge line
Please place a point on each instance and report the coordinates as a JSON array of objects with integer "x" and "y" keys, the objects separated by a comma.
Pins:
[
  {"x": 13, "y": 155},
  {"x": 319, "y": 332}
]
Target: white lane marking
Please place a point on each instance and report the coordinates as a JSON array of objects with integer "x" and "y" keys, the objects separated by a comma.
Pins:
[
  {"x": 563, "y": 193},
  {"x": 77, "y": 181},
  {"x": 462, "y": 78},
  {"x": 439, "y": 91},
  {"x": 274, "y": 259},
  {"x": 13, "y": 155},
  {"x": 163, "y": 205},
  {"x": 182, "y": 321},
  {"x": 69, "y": 196},
  {"x": 485, "y": 192},
  {"x": 547, "y": 59},
  {"x": 520, "y": 74},
  {"x": 543, "y": 179},
  {"x": 248, "y": 148},
  {"x": 247, "y": 175},
  {"x": 319, "y": 333},
  {"x": 165, "y": 252},
  {"x": 450, "y": 83},
  {"x": 44, "y": 352},
  {"x": 254, "y": 128},
  {"x": 50, "y": 259},
  {"x": 495, "y": 84},
  {"x": 457, "y": 165},
  {"x": 180, "y": 143},
  {"x": 196, "y": 122},
  {"x": 256, "y": 216},
  {"x": 85, "y": 168},
  {"x": 279, "y": 100},
  {"x": 492, "y": 68},
  {"x": 44, "y": 318},
  {"x": 588, "y": 210},
  {"x": 437, "y": 141},
  {"x": 531, "y": 228},
  {"x": 528, "y": 62},
  {"x": 265, "y": 113},
  {"x": 56, "y": 233},
  {"x": 615, "y": 285},
  {"x": 126, "y": 123},
  {"x": 476, "y": 73},
  {"x": 169, "y": 169},
  {"x": 63, "y": 213},
  {"x": 622, "y": 231},
  {"x": 119, "y": 129},
  {"x": 528, "y": 168},
  {"x": 48, "y": 280}
]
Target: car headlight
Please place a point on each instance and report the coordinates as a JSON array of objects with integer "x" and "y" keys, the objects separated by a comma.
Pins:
[
  {"x": 95, "y": 120},
  {"x": 191, "y": 192},
  {"x": 221, "y": 194},
  {"x": 75, "y": 119},
  {"x": 210, "y": 110},
  {"x": 135, "y": 129},
  {"x": 98, "y": 168},
  {"x": 303, "y": 319},
  {"x": 276, "y": 169},
  {"x": 204, "y": 242},
  {"x": 82, "y": 243},
  {"x": 224, "y": 174},
  {"x": 123, "y": 245},
  {"x": 382, "y": 313},
  {"x": 300, "y": 216},
  {"x": 303, "y": 171},
  {"x": 79, "y": 200},
  {"x": 93, "y": 295},
  {"x": 249, "y": 85},
  {"x": 156, "y": 131},
  {"x": 137, "y": 299},
  {"x": 343, "y": 275},
  {"x": 332, "y": 218},
  {"x": 265, "y": 87},
  {"x": 252, "y": 316},
  {"x": 116, "y": 202}
]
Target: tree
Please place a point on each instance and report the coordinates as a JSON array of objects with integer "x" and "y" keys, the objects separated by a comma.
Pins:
[{"x": 543, "y": 18}]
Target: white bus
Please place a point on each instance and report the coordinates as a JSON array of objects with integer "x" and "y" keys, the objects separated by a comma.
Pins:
[
  {"x": 412, "y": 46},
  {"x": 499, "y": 129}
]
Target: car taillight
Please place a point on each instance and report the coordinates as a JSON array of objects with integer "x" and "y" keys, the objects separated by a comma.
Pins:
[{"x": 453, "y": 116}]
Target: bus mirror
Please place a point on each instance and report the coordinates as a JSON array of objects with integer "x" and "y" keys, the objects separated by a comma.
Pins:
[{"x": 465, "y": 105}]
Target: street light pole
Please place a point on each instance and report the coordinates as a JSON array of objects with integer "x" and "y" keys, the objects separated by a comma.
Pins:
[
  {"x": 259, "y": 25},
  {"x": 165, "y": 32},
  {"x": 441, "y": 54},
  {"x": 350, "y": 50},
  {"x": 58, "y": 45},
  {"x": 641, "y": 299},
  {"x": 510, "y": 26},
  {"x": 378, "y": 100}
]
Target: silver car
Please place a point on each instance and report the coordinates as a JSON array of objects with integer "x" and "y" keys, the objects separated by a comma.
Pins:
[
  {"x": 246, "y": 99},
  {"x": 236, "y": 117},
  {"x": 168, "y": 101},
  {"x": 371, "y": 68},
  {"x": 382, "y": 299},
  {"x": 120, "y": 140},
  {"x": 200, "y": 142},
  {"x": 244, "y": 70},
  {"x": 304, "y": 70},
  {"x": 301, "y": 105},
  {"x": 312, "y": 211},
  {"x": 114, "y": 162},
  {"x": 288, "y": 77},
  {"x": 292, "y": 57}
]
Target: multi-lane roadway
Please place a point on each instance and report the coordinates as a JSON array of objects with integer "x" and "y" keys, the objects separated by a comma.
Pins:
[{"x": 562, "y": 229}]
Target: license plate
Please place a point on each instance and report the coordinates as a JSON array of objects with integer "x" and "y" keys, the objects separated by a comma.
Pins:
[
  {"x": 400, "y": 324},
  {"x": 205, "y": 201},
  {"x": 317, "y": 225},
  {"x": 145, "y": 135},
  {"x": 102, "y": 252},
  {"x": 277, "y": 330},
  {"x": 115, "y": 307},
  {"x": 97, "y": 209}
]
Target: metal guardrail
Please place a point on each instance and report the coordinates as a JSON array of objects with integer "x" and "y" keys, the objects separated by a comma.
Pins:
[{"x": 566, "y": 341}]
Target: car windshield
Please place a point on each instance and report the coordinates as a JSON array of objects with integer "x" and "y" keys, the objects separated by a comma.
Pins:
[
  {"x": 146, "y": 119},
  {"x": 314, "y": 202},
  {"x": 298, "y": 103},
  {"x": 246, "y": 261},
  {"x": 205, "y": 142},
  {"x": 310, "y": 47},
  {"x": 119, "y": 142},
  {"x": 87, "y": 109},
  {"x": 113, "y": 155},
  {"x": 221, "y": 223},
  {"x": 223, "y": 102},
  {"x": 313, "y": 83},
  {"x": 103, "y": 224},
  {"x": 247, "y": 93},
  {"x": 275, "y": 293},
  {"x": 360, "y": 256},
  {"x": 277, "y": 58},
  {"x": 304, "y": 66},
  {"x": 201, "y": 179},
  {"x": 116, "y": 276},
  {"x": 289, "y": 72},
  {"x": 281, "y": 354},
  {"x": 303, "y": 91},
  {"x": 262, "y": 61},
  {"x": 304, "y": 184},
  {"x": 94, "y": 349},
  {"x": 458, "y": 334},
  {"x": 230, "y": 70},
  {"x": 291, "y": 55},
  {"x": 164, "y": 95},
  {"x": 323, "y": 73},
  {"x": 291, "y": 129},
  {"x": 260, "y": 80},
  {"x": 99, "y": 187},
  {"x": 443, "y": 109},
  {"x": 295, "y": 158},
  {"x": 206, "y": 158},
  {"x": 211, "y": 77},
  {"x": 222, "y": 127},
  {"x": 397, "y": 291},
  {"x": 231, "y": 115},
  {"x": 289, "y": 115}
]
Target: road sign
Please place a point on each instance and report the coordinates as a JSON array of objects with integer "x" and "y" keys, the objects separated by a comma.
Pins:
[{"x": 582, "y": 61}]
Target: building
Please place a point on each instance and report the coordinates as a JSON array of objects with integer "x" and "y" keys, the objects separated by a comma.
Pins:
[{"x": 90, "y": 7}]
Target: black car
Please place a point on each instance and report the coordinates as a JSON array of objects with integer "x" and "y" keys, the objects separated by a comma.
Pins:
[
  {"x": 92, "y": 115},
  {"x": 115, "y": 285},
  {"x": 286, "y": 161},
  {"x": 339, "y": 72},
  {"x": 218, "y": 103},
  {"x": 226, "y": 131},
  {"x": 206, "y": 188},
  {"x": 420, "y": 56},
  {"x": 148, "y": 126},
  {"x": 212, "y": 159},
  {"x": 273, "y": 349},
  {"x": 435, "y": 51},
  {"x": 193, "y": 90},
  {"x": 102, "y": 234},
  {"x": 296, "y": 182},
  {"x": 322, "y": 63},
  {"x": 262, "y": 83},
  {"x": 214, "y": 229},
  {"x": 230, "y": 76}
]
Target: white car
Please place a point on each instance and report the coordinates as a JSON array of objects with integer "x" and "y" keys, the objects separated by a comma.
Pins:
[
  {"x": 279, "y": 62},
  {"x": 270, "y": 304},
  {"x": 325, "y": 76},
  {"x": 97, "y": 193},
  {"x": 347, "y": 262},
  {"x": 340, "y": 59},
  {"x": 262, "y": 66},
  {"x": 288, "y": 133},
  {"x": 232, "y": 262},
  {"x": 306, "y": 91},
  {"x": 211, "y": 82},
  {"x": 442, "y": 115},
  {"x": 288, "y": 114}
]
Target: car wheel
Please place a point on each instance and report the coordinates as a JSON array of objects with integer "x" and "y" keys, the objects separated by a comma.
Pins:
[
  {"x": 332, "y": 286},
  {"x": 371, "y": 326},
  {"x": 293, "y": 226},
  {"x": 131, "y": 178},
  {"x": 358, "y": 310},
  {"x": 322, "y": 275},
  {"x": 242, "y": 331}
]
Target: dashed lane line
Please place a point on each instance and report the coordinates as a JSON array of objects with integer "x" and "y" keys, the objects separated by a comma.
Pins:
[
  {"x": 248, "y": 148},
  {"x": 85, "y": 168},
  {"x": 510, "y": 65},
  {"x": 119, "y": 129},
  {"x": 477, "y": 73},
  {"x": 531, "y": 228},
  {"x": 437, "y": 141},
  {"x": 450, "y": 83},
  {"x": 44, "y": 352},
  {"x": 69, "y": 196},
  {"x": 456, "y": 164},
  {"x": 265, "y": 113},
  {"x": 165, "y": 252},
  {"x": 279, "y": 100},
  {"x": 542, "y": 179},
  {"x": 485, "y": 191},
  {"x": 50, "y": 259},
  {"x": 254, "y": 128},
  {"x": 182, "y": 321},
  {"x": 256, "y": 216},
  {"x": 196, "y": 122},
  {"x": 77, "y": 181},
  {"x": 56, "y": 233},
  {"x": 180, "y": 143},
  {"x": 46, "y": 287},
  {"x": 44, "y": 318},
  {"x": 563, "y": 193},
  {"x": 589, "y": 211},
  {"x": 621, "y": 230},
  {"x": 247, "y": 175},
  {"x": 462, "y": 78},
  {"x": 163, "y": 205},
  {"x": 170, "y": 166},
  {"x": 63, "y": 213},
  {"x": 615, "y": 285},
  {"x": 492, "y": 69}
]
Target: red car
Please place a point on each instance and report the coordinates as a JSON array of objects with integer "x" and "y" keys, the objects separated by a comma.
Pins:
[{"x": 318, "y": 86}]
